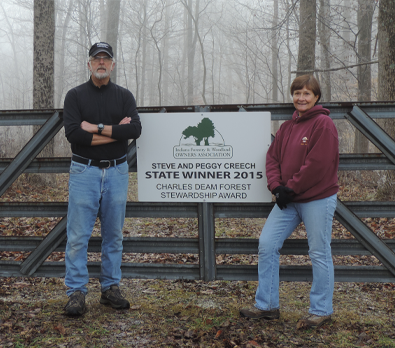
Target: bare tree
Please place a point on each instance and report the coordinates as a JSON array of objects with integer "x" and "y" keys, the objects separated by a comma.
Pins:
[
  {"x": 275, "y": 52},
  {"x": 60, "y": 71},
  {"x": 289, "y": 57},
  {"x": 192, "y": 36},
  {"x": 166, "y": 85},
  {"x": 43, "y": 72},
  {"x": 347, "y": 47},
  {"x": 365, "y": 16},
  {"x": 307, "y": 36},
  {"x": 43, "y": 61},
  {"x": 113, "y": 10},
  {"x": 386, "y": 35},
  {"x": 386, "y": 50},
  {"x": 246, "y": 52},
  {"x": 324, "y": 32},
  {"x": 103, "y": 21},
  {"x": 84, "y": 40},
  {"x": 140, "y": 54},
  {"x": 157, "y": 37},
  {"x": 12, "y": 41}
]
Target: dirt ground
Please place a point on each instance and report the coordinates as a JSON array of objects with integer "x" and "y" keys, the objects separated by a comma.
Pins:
[
  {"x": 190, "y": 314},
  {"x": 179, "y": 313}
]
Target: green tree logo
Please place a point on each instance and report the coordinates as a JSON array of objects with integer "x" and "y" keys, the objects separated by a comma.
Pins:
[{"x": 203, "y": 130}]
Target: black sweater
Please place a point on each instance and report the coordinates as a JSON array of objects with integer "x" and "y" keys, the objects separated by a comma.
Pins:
[{"x": 108, "y": 104}]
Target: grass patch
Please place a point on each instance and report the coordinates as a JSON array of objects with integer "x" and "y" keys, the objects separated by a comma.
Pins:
[{"x": 168, "y": 313}]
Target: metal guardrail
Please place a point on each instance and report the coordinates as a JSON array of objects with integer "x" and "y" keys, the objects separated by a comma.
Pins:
[
  {"x": 279, "y": 112},
  {"x": 173, "y": 245},
  {"x": 30, "y": 151},
  {"x": 43, "y": 165},
  {"x": 191, "y": 272},
  {"x": 206, "y": 246},
  {"x": 372, "y": 209}
]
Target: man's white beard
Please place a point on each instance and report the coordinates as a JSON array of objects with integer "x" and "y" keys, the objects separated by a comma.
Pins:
[{"x": 101, "y": 75}]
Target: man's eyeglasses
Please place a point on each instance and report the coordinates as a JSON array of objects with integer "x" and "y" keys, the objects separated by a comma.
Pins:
[{"x": 99, "y": 58}]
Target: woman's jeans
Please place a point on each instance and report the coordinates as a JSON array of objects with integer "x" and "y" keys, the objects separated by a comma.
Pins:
[
  {"x": 95, "y": 192},
  {"x": 317, "y": 217}
]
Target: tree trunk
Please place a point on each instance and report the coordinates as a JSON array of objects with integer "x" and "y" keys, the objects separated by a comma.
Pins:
[
  {"x": 85, "y": 43},
  {"x": 144, "y": 57},
  {"x": 17, "y": 102},
  {"x": 192, "y": 39},
  {"x": 347, "y": 50},
  {"x": 152, "y": 76},
  {"x": 365, "y": 16},
  {"x": 386, "y": 32},
  {"x": 288, "y": 94},
  {"x": 103, "y": 21},
  {"x": 113, "y": 10},
  {"x": 324, "y": 32},
  {"x": 165, "y": 83},
  {"x": 61, "y": 58},
  {"x": 386, "y": 36},
  {"x": 160, "y": 62},
  {"x": 43, "y": 67},
  {"x": 196, "y": 24},
  {"x": 275, "y": 53},
  {"x": 275, "y": 125},
  {"x": 307, "y": 36}
]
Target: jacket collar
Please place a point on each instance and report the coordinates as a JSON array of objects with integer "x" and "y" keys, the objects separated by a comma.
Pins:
[
  {"x": 101, "y": 87},
  {"x": 313, "y": 112}
]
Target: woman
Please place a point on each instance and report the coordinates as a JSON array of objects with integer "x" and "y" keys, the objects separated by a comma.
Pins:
[{"x": 301, "y": 170}]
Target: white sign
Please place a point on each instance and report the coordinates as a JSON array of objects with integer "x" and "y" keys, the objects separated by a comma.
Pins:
[{"x": 203, "y": 157}]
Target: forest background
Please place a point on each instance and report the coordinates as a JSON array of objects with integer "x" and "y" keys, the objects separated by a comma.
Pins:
[{"x": 196, "y": 52}]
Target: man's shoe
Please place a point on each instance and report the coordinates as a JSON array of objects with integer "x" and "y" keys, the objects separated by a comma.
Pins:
[
  {"x": 255, "y": 313},
  {"x": 114, "y": 298},
  {"x": 313, "y": 321},
  {"x": 76, "y": 305}
]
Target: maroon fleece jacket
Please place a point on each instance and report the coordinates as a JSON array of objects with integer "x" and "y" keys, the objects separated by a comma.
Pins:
[{"x": 305, "y": 156}]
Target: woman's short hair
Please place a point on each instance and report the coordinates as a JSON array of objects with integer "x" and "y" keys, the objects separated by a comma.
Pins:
[{"x": 308, "y": 81}]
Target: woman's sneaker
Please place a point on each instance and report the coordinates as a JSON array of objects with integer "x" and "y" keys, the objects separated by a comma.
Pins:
[
  {"x": 76, "y": 304},
  {"x": 313, "y": 321},
  {"x": 255, "y": 313},
  {"x": 114, "y": 298}
]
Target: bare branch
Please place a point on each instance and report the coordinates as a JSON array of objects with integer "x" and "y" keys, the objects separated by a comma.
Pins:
[{"x": 333, "y": 69}]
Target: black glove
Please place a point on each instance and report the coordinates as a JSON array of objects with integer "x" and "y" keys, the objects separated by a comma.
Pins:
[{"x": 284, "y": 195}]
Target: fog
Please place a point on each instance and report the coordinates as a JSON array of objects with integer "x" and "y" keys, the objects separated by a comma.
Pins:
[{"x": 186, "y": 52}]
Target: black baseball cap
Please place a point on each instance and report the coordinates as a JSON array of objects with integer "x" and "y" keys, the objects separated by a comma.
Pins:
[{"x": 101, "y": 47}]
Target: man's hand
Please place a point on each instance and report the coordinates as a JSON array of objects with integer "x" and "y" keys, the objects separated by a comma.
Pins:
[
  {"x": 125, "y": 120},
  {"x": 284, "y": 195},
  {"x": 89, "y": 127}
]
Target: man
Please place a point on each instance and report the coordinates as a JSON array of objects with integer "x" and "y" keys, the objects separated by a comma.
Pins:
[{"x": 99, "y": 118}]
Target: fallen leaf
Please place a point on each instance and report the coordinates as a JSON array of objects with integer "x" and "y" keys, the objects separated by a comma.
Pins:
[
  {"x": 60, "y": 328},
  {"x": 226, "y": 323},
  {"x": 218, "y": 334},
  {"x": 188, "y": 334},
  {"x": 300, "y": 324}
]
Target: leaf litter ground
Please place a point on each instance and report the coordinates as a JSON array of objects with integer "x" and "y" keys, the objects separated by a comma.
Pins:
[{"x": 177, "y": 313}]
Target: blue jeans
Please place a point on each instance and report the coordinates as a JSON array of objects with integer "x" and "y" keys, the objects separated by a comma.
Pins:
[
  {"x": 95, "y": 192},
  {"x": 317, "y": 217}
]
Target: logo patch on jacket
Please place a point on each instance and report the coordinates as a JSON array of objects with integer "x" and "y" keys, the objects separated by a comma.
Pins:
[{"x": 305, "y": 141}]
